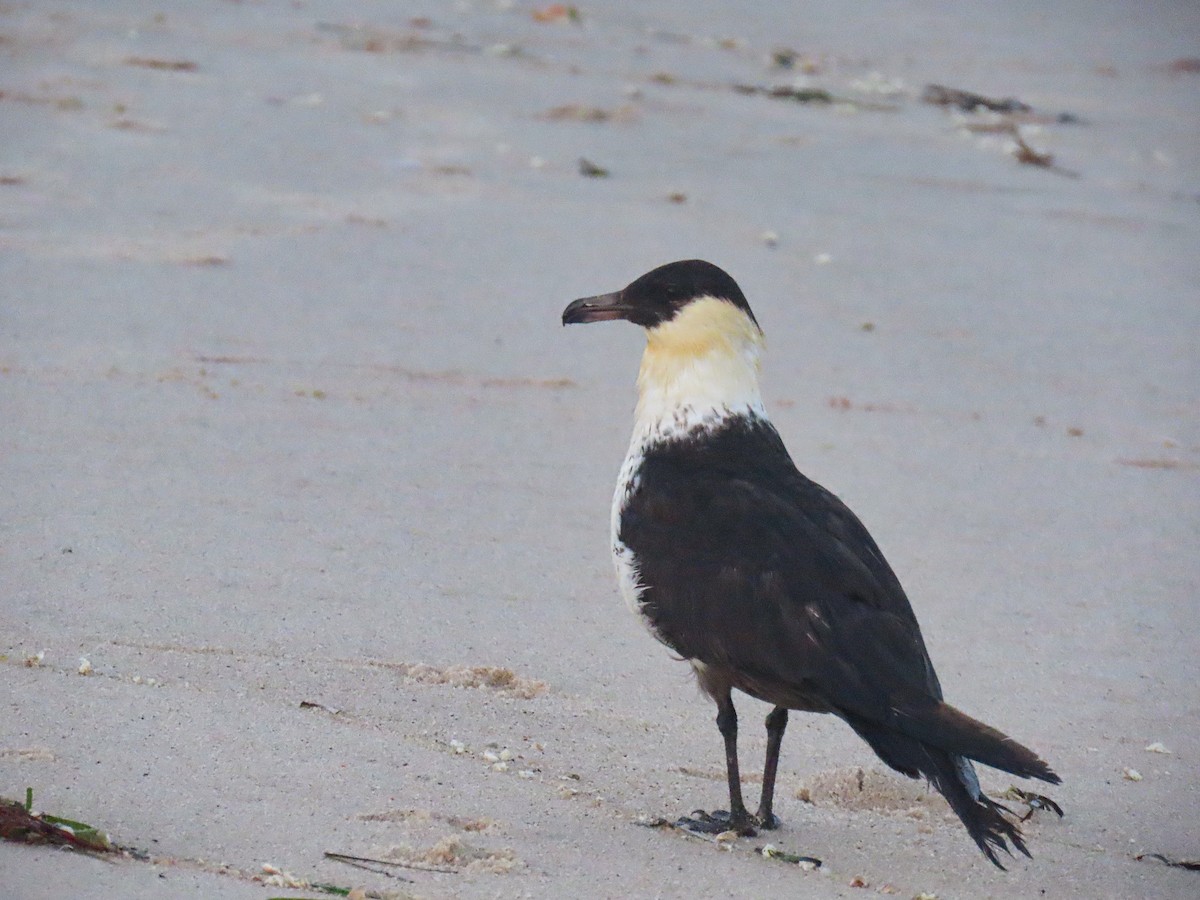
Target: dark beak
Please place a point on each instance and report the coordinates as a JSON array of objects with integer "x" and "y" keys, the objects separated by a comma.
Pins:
[{"x": 602, "y": 308}]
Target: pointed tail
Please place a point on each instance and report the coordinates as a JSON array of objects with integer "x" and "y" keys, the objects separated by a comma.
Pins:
[
  {"x": 941, "y": 725},
  {"x": 938, "y": 742}
]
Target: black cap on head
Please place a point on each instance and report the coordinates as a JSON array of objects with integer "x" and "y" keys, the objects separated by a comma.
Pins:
[{"x": 658, "y": 295}]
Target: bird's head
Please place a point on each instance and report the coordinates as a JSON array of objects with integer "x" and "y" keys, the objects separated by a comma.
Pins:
[
  {"x": 702, "y": 340},
  {"x": 661, "y": 295}
]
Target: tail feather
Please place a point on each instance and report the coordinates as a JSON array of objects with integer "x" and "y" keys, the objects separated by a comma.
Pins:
[
  {"x": 941, "y": 725},
  {"x": 983, "y": 817},
  {"x": 953, "y": 776}
]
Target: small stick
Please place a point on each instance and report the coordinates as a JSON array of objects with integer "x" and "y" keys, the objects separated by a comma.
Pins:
[{"x": 352, "y": 860}]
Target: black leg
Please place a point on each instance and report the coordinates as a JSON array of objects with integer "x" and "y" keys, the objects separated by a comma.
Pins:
[
  {"x": 737, "y": 818},
  {"x": 777, "y": 721}
]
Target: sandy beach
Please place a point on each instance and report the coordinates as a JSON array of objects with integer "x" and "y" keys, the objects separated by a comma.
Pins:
[{"x": 304, "y": 523}]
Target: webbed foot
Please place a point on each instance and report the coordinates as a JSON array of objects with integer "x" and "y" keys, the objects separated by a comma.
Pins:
[
  {"x": 768, "y": 822},
  {"x": 718, "y": 821}
]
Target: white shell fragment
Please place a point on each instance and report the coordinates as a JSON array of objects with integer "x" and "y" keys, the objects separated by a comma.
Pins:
[
  {"x": 1131, "y": 774},
  {"x": 85, "y": 667},
  {"x": 1157, "y": 747}
]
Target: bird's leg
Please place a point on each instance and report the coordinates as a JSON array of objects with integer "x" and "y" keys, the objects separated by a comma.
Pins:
[
  {"x": 777, "y": 720},
  {"x": 737, "y": 818}
]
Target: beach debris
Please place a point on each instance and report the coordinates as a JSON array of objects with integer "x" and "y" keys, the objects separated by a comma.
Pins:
[
  {"x": 1192, "y": 865},
  {"x": 1131, "y": 774},
  {"x": 1156, "y": 747},
  {"x": 276, "y": 877},
  {"x": 1021, "y": 150},
  {"x": 787, "y": 92},
  {"x": 163, "y": 65},
  {"x": 784, "y": 58},
  {"x": 1185, "y": 65},
  {"x": 968, "y": 101},
  {"x": 85, "y": 667},
  {"x": 589, "y": 169},
  {"x": 770, "y": 238},
  {"x": 578, "y": 112},
  {"x": 1026, "y": 154},
  {"x": 677, "y": 197},
  {"x": 311, "y": 704},
  {"x": 126, "y": 123},
  {"x": 504, "y": 51},
  {"x": 557, "y": 12},
  {"x": 770, "y": 851},
  {"x": 810, "y": 95},
  {"x": 448, "y": 855},
  {"x": 21, "y": 825},
  {"x": 67, "y": 104},
  {"x": 34, "y": 660},
  {"x": 378, "y": 39},
  {"x": 645, "y": 821},
  {"x": 369, "y": 864},
  {"x": 497, "y": 678},
  {"x": 1157, "y": 464},
  {"x": 1033, "y": 801},
  {"x": 204, "y": 260},
  {"x": 789, "y": 59},
  {"x": 859, "y": 882}
]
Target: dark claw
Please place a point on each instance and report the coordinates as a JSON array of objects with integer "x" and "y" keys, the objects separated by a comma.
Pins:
[
  {"x": 769, "y": 822},
  {"x": 717, "y": 822},
  {"x": 1034, "y": 802}
]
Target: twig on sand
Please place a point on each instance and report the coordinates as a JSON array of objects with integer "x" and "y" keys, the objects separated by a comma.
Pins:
[
  {"x": 361, "y": 862},
  {"x": 1192, "y": 865}
]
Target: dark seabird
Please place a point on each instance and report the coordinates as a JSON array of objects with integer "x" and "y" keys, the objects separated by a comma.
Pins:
[{"x": 760, "y": 578}]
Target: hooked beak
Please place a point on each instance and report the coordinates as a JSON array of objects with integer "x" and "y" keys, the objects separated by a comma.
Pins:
[{"x": 601, "y": 308}]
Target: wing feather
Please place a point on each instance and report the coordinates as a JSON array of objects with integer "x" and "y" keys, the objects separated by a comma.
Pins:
[{"x": 749, "y": 565}]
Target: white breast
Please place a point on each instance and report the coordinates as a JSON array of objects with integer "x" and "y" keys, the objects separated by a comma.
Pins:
[
  {"x": 628, "y": 578},
  {"x": 699, "y": 368},
  {"x": 682, "y": 421}
]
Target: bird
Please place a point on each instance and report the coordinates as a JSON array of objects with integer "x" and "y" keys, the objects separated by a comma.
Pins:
[{"x": 763, "y": 580}]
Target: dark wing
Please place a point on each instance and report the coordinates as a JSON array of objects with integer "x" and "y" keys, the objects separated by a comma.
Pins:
[{"x": 750, "y": 566}]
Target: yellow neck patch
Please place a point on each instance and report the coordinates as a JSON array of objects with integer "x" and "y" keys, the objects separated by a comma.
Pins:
[{"x": 705, "y": 359}]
